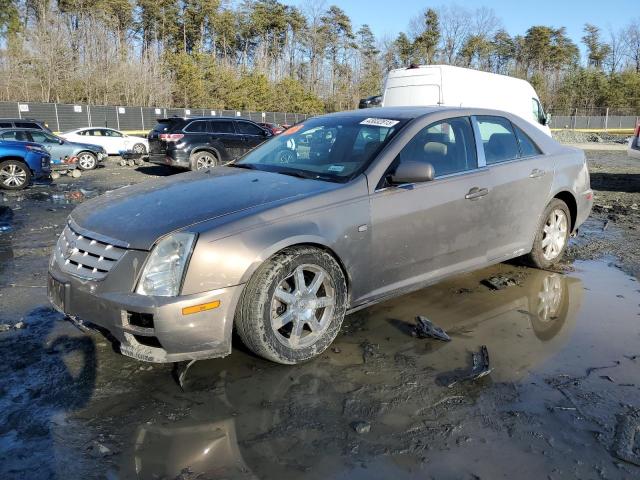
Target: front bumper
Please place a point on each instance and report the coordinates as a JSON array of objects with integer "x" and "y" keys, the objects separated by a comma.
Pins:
[{"x": 151, "y": 329}]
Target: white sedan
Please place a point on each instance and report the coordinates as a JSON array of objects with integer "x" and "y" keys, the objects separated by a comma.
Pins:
[{"x": 113, "y": 141}]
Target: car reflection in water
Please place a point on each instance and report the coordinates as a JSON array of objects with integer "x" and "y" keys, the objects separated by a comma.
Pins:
[{"x": 279, "y": 412}]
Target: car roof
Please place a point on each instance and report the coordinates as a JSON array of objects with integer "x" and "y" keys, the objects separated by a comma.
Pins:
[
  {"x": 206, "y": 118},
  {"x": 22, "y": 129},
  {"x": 12, "y": 119}
]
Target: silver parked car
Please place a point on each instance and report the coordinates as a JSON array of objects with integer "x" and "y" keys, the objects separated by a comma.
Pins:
[{"x": 331, "y": 216}]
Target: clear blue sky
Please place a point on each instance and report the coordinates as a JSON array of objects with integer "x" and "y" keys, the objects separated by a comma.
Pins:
[{"x": 391, "y": 17}]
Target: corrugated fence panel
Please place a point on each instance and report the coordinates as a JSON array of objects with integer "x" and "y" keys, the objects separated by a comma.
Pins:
[
  {"x": 63, "y": 117},
  {"x": 103, "y": 116}
]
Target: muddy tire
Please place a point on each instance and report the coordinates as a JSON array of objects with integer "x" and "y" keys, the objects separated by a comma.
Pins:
[
  {"x": 14, "y": 175},
  {"x": 293, "y": 306},
  {"x": 552, "y": 235},
  {"x": 87, "y": 161},
  {"x": 204, "y": 159},
  {"x": 139, "y": 148}
]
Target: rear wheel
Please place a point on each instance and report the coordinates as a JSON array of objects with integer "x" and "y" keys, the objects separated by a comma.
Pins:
[
  {"x": 293, "y": 306},
  {"x": 14, "y": 175},
  {"x": 552, "y": 235},
  {"x": 139, "y": 148},
  {"x": 87, "y": 161},
  {"x": 203, "y": 160}
]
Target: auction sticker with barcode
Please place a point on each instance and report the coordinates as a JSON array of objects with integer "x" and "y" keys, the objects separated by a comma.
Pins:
[{"x": 379, "y": 122}]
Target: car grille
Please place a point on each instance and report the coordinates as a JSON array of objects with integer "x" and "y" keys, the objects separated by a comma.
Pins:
[{"x": 84, "y": 256}]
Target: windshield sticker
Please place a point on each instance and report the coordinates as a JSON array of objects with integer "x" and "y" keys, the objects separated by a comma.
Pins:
[
  {"x": 292, "y": 130},
  {"x": 380, "y": 122},
  {"x": 336, "y": 168}
]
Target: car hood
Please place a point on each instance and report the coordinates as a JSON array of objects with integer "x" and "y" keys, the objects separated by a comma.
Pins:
[{"x": 136, "y": 216}]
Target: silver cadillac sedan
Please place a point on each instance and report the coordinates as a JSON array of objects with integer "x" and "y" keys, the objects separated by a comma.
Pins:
[{"x": 333, "y": 215}]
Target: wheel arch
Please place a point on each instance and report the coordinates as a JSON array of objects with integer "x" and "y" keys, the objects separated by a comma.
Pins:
[
  {"x": 17, "y": 159},
  {"x": 302, "y": 241},
  {"x": 570, "y": 200}
]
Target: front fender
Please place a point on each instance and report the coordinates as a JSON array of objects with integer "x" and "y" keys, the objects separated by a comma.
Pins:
[{"x": 232, "y": 260}]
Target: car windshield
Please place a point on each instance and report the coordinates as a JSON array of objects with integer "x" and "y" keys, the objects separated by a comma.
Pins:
[{"x": 330, "y": 148}]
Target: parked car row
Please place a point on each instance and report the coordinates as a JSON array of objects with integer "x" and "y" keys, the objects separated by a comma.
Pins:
[
  {"x": 81, "y": 149},
  {"x": 204, "y": 142}
]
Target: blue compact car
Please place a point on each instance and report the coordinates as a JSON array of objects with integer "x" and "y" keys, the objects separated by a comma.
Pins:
[{"x": 22, "y": 162}]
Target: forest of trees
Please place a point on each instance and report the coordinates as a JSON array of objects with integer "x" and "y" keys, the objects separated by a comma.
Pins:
[{"x": 265, "y": 55}]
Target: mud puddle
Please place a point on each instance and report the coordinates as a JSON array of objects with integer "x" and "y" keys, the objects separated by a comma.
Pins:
[{"x": 563, "y": 348}]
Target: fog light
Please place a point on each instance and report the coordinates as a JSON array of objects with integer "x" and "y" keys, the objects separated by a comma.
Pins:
[{"x": 201, "y": 308}]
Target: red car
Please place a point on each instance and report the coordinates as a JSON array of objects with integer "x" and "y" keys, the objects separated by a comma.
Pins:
[{"x": 272, "y": 127}]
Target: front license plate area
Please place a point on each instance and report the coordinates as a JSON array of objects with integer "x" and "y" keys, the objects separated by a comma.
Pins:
[{"x": 57, "y": 293}]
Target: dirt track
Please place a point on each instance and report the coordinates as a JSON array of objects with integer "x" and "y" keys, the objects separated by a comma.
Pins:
[{"x": 564, "y": 349}]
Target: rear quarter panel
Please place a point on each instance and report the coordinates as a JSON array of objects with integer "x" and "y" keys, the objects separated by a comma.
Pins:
[{"x": 572, "y": 175}]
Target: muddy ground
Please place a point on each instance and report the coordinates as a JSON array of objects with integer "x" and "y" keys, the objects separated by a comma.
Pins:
[{"x": 562, "y": 399}]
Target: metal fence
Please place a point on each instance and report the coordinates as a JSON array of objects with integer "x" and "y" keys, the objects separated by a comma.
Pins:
[
  {"x": 594, "y": 118},
  {"x": 61, "y": 117}
]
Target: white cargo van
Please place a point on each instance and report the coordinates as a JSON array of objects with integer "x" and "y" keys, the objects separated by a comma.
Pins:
[{"x": 463, "y": 87}]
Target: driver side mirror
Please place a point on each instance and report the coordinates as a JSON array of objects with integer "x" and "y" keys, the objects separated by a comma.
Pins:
[
  {"x": 267, "y": 133},
  {"x": 546, "y": 120},
  {"x": 410, "y": 171},
  {"x": 60, "y": 141}
]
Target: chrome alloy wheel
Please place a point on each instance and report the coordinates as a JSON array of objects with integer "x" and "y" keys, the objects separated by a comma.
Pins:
[
  {"x": 555, "y": 234},
  {"x": 205, "y": 161},
  {"x": 139, "y": 148},
  {"x": 86, "y": 161},
  {"x": 302, "y": 306},
  {"x": 13, "y": 175}
]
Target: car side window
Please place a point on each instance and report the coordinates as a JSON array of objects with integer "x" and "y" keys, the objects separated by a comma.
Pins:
[
  {"x": 16, "y": 135},
  {"x": 498, "y": 139},
  {"x": 528, "y": 148},
  {"x": 82, "y": 132},
  {"x": 95, "y": 132},
  {"x": 5, "y": 125},
  {"x": 199, "y": 126},
  {"x": 247, "y": 128},
  {"x": 111, "y": 133},
  {"x": 448, "y": 145},
  {"x": 27, "y": 125},
  {"x": 221, "y": 126},
  {"x": 41, "y": 137}
]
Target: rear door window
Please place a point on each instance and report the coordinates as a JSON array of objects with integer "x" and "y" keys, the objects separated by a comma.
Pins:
[
  {"x": 16, "y": 135},
  {"x": 199, "y": 126},
  {"x": 6, "y": 125},
  {"x": 528, "y": 148},
  {"x": 448, "y": 145},
  {"x": 247, "y": 128},
  {"x": 221, "y": 126},
  {"x": 498, "y": 139}
]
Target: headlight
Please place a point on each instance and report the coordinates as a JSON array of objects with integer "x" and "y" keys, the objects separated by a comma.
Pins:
[{"x": 162, "y": 274}]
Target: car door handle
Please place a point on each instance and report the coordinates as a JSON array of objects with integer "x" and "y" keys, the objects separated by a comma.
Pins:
[
  {"x": 536, "y": 173},
  {"x": 476, "y": 192}
]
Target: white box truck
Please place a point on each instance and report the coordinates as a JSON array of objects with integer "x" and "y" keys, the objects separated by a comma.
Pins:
[{"x": 425, "y": 85}]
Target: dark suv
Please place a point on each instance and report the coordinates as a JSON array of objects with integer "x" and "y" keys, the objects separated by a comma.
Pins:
[
  {"x": 203, "y": 142},
  {"x": 23, "y": 123}
]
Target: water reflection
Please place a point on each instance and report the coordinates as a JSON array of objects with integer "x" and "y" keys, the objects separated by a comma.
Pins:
[{"x": 289, "y": 422}]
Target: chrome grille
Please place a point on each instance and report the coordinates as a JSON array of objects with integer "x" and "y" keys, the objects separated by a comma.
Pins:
[{"x": 85, "y": 257}]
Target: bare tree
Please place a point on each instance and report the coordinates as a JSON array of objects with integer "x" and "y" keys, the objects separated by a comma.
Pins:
[{"x": 632, "y": 43}]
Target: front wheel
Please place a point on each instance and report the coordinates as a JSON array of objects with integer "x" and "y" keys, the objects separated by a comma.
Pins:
[
  {"x": 87, "y": 161},
  {"x": 293, "y": 306},
  {"x": 14, "y": 175},
  {"x": 552, "y": 235}
]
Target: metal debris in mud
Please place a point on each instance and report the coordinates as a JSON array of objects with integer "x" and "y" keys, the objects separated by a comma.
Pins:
[
  {"x": 479, "y": 368},
  {"x": 361, "y": 427},
  {"x": 626, "y": 440},
  {"x": 180, "y": 371},
  {"x": 500, "y": 282},
  {"x": 426, "y": 329}
]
